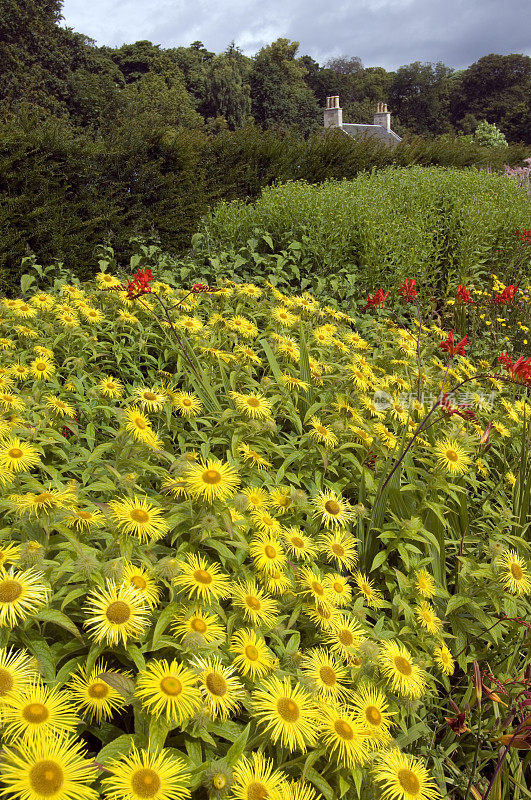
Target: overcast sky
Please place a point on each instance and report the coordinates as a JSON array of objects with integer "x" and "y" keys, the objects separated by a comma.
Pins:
[{"x": 385, "y": 33}]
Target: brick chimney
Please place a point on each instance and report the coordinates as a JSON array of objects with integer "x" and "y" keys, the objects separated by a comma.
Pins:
[
  {"x": 382, "y": 116},
  {"x": 333, "y": 114}
]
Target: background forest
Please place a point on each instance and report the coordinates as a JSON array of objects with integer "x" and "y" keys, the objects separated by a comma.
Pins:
[{"x": 101, "y": 144}]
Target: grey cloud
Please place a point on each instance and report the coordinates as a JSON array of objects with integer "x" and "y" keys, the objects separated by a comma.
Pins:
[{"x": 385, "y": 33}]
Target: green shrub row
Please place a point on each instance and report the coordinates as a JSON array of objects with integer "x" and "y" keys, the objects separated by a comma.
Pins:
[
  {"x": 440, "y": 226},
  {"x": 65, "y": 191}
]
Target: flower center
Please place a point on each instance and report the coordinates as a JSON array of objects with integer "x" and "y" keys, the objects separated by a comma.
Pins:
[
  {"x": 288, "y": 709},
  {"x": 84, "y": 515},
  {"x": 253, "y": 603},
  {"x": 150, "y": 396},
  {"x": 139, "y": 515},
  {"x": 296, "y": 541},
  {"x": 517, "y": 572},
  {"x": 202, "y": 576},
  {"x": 338, "y": 587},
  {"x": 451, "y": 455},
  {"x": 118, "y": 612},
  {"x": 270, "y": 551},
  {"x": 138, "y": 582},
  {"x": 43, "y": 497},
  {"x": 98, "y": 690},
  {"x": 317, "y": 587},
  {"x": 332, "y": 506},
  {"x": 35, "y": 713},
  {"x": 46, "y": 778},
  {"x": 403, "y": 665},
  {"x": 186, "y": 402},
  {"x": 323, "y": 431},
  {"x": 337, "y": 549},
  {"x": 10, "y": 591},
  {"x": 257, "y": 791},
  {"x": 253, "y": 402},
  {"x": 40, "y": 365},
  {"x": 15, "y": 452},
  {"x": 171, "y": 686},
  {"x": 6, "y": 682},
  {"x": 216, "y": 684},
  {"x": 145, "y": 782},
  {"x": 198, "y": 625},
  {"x": 251, "y": 652},
  {"x": 343, "y": 729},
  {"x": 372, "y": 715},
  {"x": 211, "y": 476},
  {"x": 327, "y": 675},
  {"x": 345, "y": 637},
  {"x": 140, "y": 424},
  {"x": 408, "y": 781}
]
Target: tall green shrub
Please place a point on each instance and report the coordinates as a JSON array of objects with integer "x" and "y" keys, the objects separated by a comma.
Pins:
[{"x": 439, "y": 226}]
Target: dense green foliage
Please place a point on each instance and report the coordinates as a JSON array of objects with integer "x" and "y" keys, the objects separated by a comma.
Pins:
[
  {"x": 65, "y": 191},
  {"x": 439, "y": 226}
]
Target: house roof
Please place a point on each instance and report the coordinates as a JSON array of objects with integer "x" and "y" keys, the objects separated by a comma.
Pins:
[{"x": 353, "y": 129}]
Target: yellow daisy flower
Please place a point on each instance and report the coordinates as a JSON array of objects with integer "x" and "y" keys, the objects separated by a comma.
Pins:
[
  {"x": 145, "y": 774},
  {"x": 444, "y": 660},
  {"x": 405, "y": 677},
  {"x": 138, "y": 518},
  {"x": 403, "y": 777},
  {"x": 196, "y": 623},
  {"x": 252, "y": 656},
  {"x": 202, "y": 581},
  {"x": 212, "y": 480},
  {"x": 332, "y": 510},
  {"x": 54, "y": 768},
  {"x": 343, "y": 736},
  {"x": 514, "y": 573},
  {"x": 257, "y": 606},
  {"x": 21, "y": 595},
  {"x": 37, "y": 712},
  {"x": 222, "y": 692},
  {"x": 93, "y": 695},
  {"x": 117, "y": 613},
  {"x": 288, "y": 714},
  {"x": 17, "y": 456},
  {"x": 169, "y": 690},
  {"x": 452, "y": 457}
]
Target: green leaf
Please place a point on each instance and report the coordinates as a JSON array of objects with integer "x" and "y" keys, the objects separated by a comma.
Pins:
[
  {"x": 326, "y": 790},
  {"x": 119, "y": 747},
  {"x": 58, "y": 618},
  {"x": 236, "y": 749},
  {"x": 163, "y": 622}
]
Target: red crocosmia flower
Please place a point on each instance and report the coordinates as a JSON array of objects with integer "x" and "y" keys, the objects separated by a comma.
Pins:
[
  {"x": 505, "y": 359},
  {"x": 199, "y": 287},
  {"x": 464, "y": 411},
  {"x": 452, "y": 347},
  {"x": 408, "y": 289},
  {"x": 520, "y": 370},
  {"x": 463, "y": 295},
  {"x": 507, "y": 296},
  {"x": 139, "y": 284},
  {"x": 525, "y": 235},
  {"x": 377, "y": 299}
]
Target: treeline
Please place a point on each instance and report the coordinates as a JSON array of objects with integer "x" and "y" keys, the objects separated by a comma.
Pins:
[
  {"x": 101, "y": 145},
  {"x": 64, "y": 73}
]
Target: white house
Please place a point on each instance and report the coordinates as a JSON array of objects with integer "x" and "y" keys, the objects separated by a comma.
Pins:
[{"x": 381, "y": 127}]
